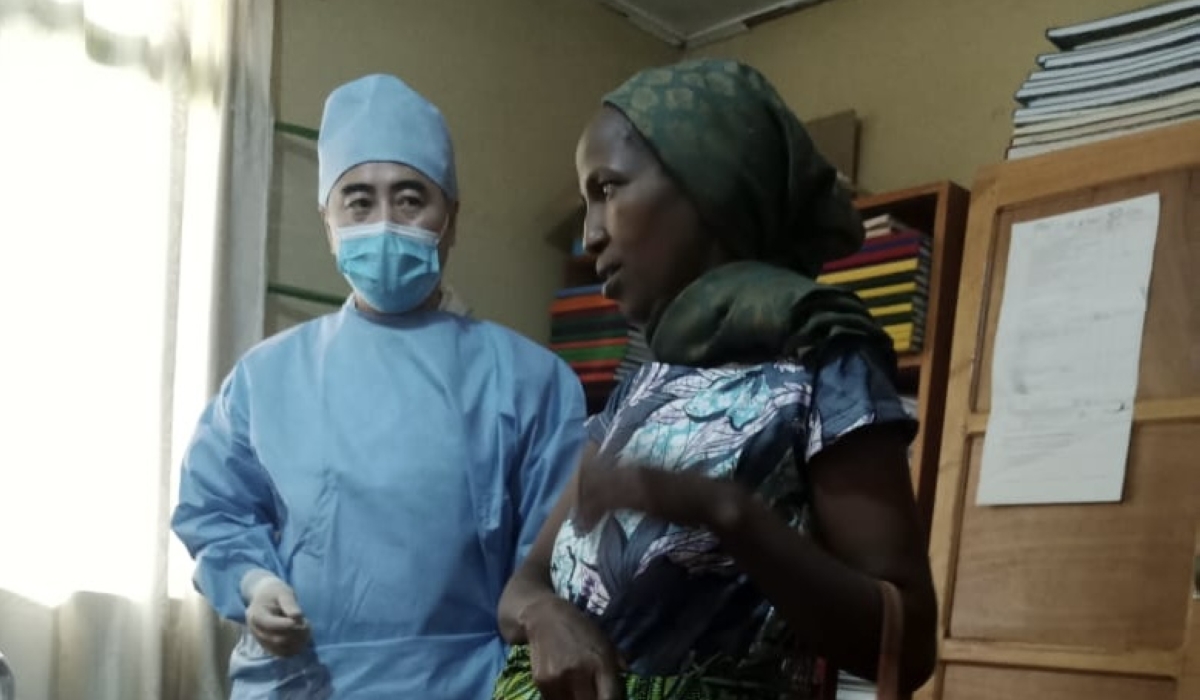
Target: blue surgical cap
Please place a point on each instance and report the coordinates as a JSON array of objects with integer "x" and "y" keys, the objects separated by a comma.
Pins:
[{"x": 379, "y": 119}]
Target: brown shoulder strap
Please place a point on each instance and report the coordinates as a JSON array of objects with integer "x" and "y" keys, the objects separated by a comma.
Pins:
[{"x": 887, "y": 681}]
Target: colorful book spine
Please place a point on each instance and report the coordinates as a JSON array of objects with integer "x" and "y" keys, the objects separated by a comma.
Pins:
[
  {"x": 891, "y": 275},
  {"x": 589, "y": 333}
]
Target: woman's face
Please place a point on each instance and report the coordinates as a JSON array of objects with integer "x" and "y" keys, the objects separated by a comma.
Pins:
[{"x": 646, "y": 235}]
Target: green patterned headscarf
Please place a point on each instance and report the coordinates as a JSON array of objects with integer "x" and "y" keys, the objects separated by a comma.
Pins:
[{"x": 743, "y": 158}]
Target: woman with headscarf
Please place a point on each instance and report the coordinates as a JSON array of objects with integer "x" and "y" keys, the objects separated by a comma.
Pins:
[{"x": 743, "y": 496}]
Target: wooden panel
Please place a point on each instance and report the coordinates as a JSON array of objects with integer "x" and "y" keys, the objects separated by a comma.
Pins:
[
  {"x": 1170, "y": 364},
  {"x": 1049, "y": 575},
  {"x": 979, "y": 683},
  {"x": 1146, "y": 663},
  {"x": 1077, "y": 602}
]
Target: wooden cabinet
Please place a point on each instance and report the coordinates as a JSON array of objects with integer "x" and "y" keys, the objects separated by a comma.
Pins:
[{"x": 1075, "y": 602}]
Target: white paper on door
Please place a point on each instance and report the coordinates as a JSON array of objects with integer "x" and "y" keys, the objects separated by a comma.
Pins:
[{"x": 1068, "y": 341}]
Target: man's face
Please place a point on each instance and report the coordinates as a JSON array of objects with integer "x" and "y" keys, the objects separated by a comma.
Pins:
[{"x": 373, "y": 192}]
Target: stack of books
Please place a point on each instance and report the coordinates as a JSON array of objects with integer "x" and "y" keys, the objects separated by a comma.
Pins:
[
  {"x": 891, "y": 274},
  {"x": 1110, "y": 77},
  {"x": 591, "y": 335}
]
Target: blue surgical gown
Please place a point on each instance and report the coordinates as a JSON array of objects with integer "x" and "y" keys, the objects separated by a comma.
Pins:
[{"x": 393, "y": 472}]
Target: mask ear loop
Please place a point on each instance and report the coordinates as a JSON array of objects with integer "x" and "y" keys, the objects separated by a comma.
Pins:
[
  {"x": 445, "y": 225},
  {"x": 441, "y": 285}
]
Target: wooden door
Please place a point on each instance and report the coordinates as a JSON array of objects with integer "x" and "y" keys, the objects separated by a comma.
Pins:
[{"x": 1078, "y": 602}]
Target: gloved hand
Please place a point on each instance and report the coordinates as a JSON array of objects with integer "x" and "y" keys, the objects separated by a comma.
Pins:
[{"x": 273, "y": 615}]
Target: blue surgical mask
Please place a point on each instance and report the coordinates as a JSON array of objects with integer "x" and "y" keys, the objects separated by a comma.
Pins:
[{"x": 391, "y": 266}]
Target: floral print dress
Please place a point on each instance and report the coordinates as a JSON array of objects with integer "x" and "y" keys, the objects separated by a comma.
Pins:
[
  {"x": 675, "y": 605},
  {"x": 666, "y": 594}
]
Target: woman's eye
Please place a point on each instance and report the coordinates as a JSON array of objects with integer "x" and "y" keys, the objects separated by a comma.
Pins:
[{"x": 608, "y": 189}]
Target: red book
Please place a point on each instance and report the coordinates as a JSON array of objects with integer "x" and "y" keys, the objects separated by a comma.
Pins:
[
  {"x": 874, "y": 257},
  {"x": 899, "y": 237}
]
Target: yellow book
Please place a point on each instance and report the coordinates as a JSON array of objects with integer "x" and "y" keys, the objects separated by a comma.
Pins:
[
  {"x": 862, "y": 273},
  {"x": 893, "y": 309},
  {"x": 887, "y": 291}
]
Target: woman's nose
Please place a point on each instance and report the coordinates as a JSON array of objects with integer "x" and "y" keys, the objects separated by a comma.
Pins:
[{"x": 594, "y": 240}]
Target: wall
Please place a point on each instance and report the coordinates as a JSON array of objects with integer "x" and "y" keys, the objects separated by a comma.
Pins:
[
  {"x": 517, "y": 81},
  {"x": 932, "y": 80}
]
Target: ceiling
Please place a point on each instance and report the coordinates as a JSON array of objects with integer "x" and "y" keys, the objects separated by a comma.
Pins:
[{"x": 689, "y": 23}]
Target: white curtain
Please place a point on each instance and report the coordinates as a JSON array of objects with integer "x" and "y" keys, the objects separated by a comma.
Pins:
[{"x": 135, "y": 141}]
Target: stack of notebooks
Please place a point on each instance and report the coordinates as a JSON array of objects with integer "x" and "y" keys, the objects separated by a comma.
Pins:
[
  {"x": 891, "y": 274},
  {"x": 589, "y": 333},
  {"x": 1119, "y": 75}
]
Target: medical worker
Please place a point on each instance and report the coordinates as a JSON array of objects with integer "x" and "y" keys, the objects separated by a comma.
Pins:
[{"x": 363, "y": 485}]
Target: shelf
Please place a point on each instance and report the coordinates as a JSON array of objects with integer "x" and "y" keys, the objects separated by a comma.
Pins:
[
  {"x": 890, "y": 200},
  {"x": 917, "y": 207}
]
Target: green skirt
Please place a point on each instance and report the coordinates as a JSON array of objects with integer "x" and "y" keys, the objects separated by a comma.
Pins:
[{"x": 516, "y": 683}]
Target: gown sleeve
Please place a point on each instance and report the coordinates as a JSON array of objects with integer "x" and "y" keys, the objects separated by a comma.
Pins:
[
  {"x": 227, "y": 515},
  {"x": 553, "y": 445}
]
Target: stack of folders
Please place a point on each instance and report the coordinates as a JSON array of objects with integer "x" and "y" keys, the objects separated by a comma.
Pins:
[
  {"x": 891, "y": 274},
  {"x": 589, "y": 333},
  {"x": 1113, "y": 76}
]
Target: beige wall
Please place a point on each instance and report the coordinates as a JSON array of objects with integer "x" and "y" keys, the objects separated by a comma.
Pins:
[
  {"x": 516, "y": 79},
  {"x": 932, "y": 80}
]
